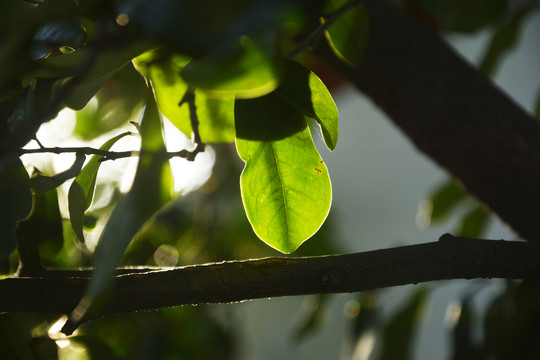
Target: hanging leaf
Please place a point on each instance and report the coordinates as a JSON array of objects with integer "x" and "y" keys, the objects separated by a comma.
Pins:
[
  {"x": 504, "y": 39},
  {"x": 81, "y": 191},
  {"x": 474, "y": 222},
  {"x": 17, "y": 197},
  {"x": 444, "y": 199},
  {"x": 244, "y": 70},
  {"x": 42, "y": 183},
  {"x": 216, "y": 116},
  {"x": 55, "y": 35},
  {"x": 40, "y": 235},
  {"x": 398, "y": 336},
  {"x": 349, "y": 34},
  {"x": 308, "y": 94},
  {"x": 285, "y": 184},
  {"x": 146, "y": 196}
]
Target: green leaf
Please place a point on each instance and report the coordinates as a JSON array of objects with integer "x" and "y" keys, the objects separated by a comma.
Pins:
[
  {"x": 216, "y": 116},
  {"x": 308, "y": 94},
  {"x": 244, "y": 70},
  {"x": 82, "y": 189},
  {"x": 41, "y": 183},
  {"x": 474, "y": 222},
  {"x": 465, "y": 15},
  {"x": 22, "y": 117},
  {"x": 16, "y": 199},
  {"x": 285, "y": 184},
  {"x": 504, "y": 39},
  {"x": 134, "y": 209},
  {"x": 398, "y": 336},
  {"x": 114, "y": 104},
  {"x": 444, "y": 199},
  {"x": 54, "y": 35},
  {"x": 349, "y": 34},
  {"x": 40, "y": 235}
]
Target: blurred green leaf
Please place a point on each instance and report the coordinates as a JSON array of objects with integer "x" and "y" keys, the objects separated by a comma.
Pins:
[
  {"x": 349, "y": 34},
  {"x": 312, "y": 316},
  {"x": 16, "y": 200},
  {"x": 474, "y": 222},
  {"x": 81, "y": 191},
  {"x": 399, "y": 333},
  {"x": 464, "y": 15},
  {"x": 504, "y": 39},
  {"x": 42, "y": 183},
  {"x": 135, "y": 208},
  {"x": 308, "y": 94},
  {"x": 114, "y": 104},
  {"x": 216, "y": 116},
  {"x": 444, "y": 199},
  {"x": 247, "y": 69},
  {"x": 285, "y": 184},
  {"x": 40, "y": 235},
  {"x": 463, "y": 340}
]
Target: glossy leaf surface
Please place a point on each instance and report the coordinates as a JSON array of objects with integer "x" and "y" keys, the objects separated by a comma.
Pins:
[
  {"x": 308, "y": 94},
  {"x": 81, "y": 191},
  {"x": 285, "y": 184},
  {"x": 348, "y": 35}
]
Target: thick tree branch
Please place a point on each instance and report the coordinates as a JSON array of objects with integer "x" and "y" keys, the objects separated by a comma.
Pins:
[
  {"x": 452, "y": 113},
  {"x": 449, "y": 258}
]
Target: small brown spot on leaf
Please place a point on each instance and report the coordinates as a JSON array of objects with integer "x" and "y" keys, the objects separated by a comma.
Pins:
[{"x": 318, "y": 170}]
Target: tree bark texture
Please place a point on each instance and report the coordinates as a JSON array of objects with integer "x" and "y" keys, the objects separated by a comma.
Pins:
[
  {"x": 452, "y": 113},
  {"x": 449, "y": 258}
]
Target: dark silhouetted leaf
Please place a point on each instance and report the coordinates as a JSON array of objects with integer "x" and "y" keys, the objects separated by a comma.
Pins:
[
  {"x": 398, "y": 336},
  {"x": 16, "y": 200},
  {"x": 41, "y": 183}
]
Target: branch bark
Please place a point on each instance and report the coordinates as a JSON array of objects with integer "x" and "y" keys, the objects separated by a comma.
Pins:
[
  {"x": 449, "y": 258},
  {"x": 452, "y": 113}
]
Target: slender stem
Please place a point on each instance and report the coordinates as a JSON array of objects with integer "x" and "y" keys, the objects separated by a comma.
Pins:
[
  {"x": 318, "y": 33},
  {"x": 189, "y": 98}
]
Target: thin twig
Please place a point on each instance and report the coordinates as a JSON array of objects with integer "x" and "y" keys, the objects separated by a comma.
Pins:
[
  {"x": 107, "y": 155},
  {"x": 318, "y": 33},
  {"x": 189, "y": 98}
]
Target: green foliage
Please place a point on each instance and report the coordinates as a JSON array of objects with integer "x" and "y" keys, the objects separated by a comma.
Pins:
[
  {"x": 147, "y": 195},
  {"x": 81, "y": 191}
]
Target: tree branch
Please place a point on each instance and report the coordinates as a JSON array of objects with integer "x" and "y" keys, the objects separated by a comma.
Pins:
[
  {"x": 452, "y": 113},
  {"x": 449, "y": 258}
]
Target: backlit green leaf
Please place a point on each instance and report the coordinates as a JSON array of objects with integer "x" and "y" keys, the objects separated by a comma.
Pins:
[
  {"x": 285, "y": 184},
  {"x": 41, "y": 183},
  {"x": 135, "y": 208},
  {"x": 245, "y": 70},
  {"x": 81, "y": 191},
  {"x": 348, "y": 35},
  {"x": 216, "y": 116},
  {"x": 16, "y": 200},
  {"x": 308, "y": 94}
]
